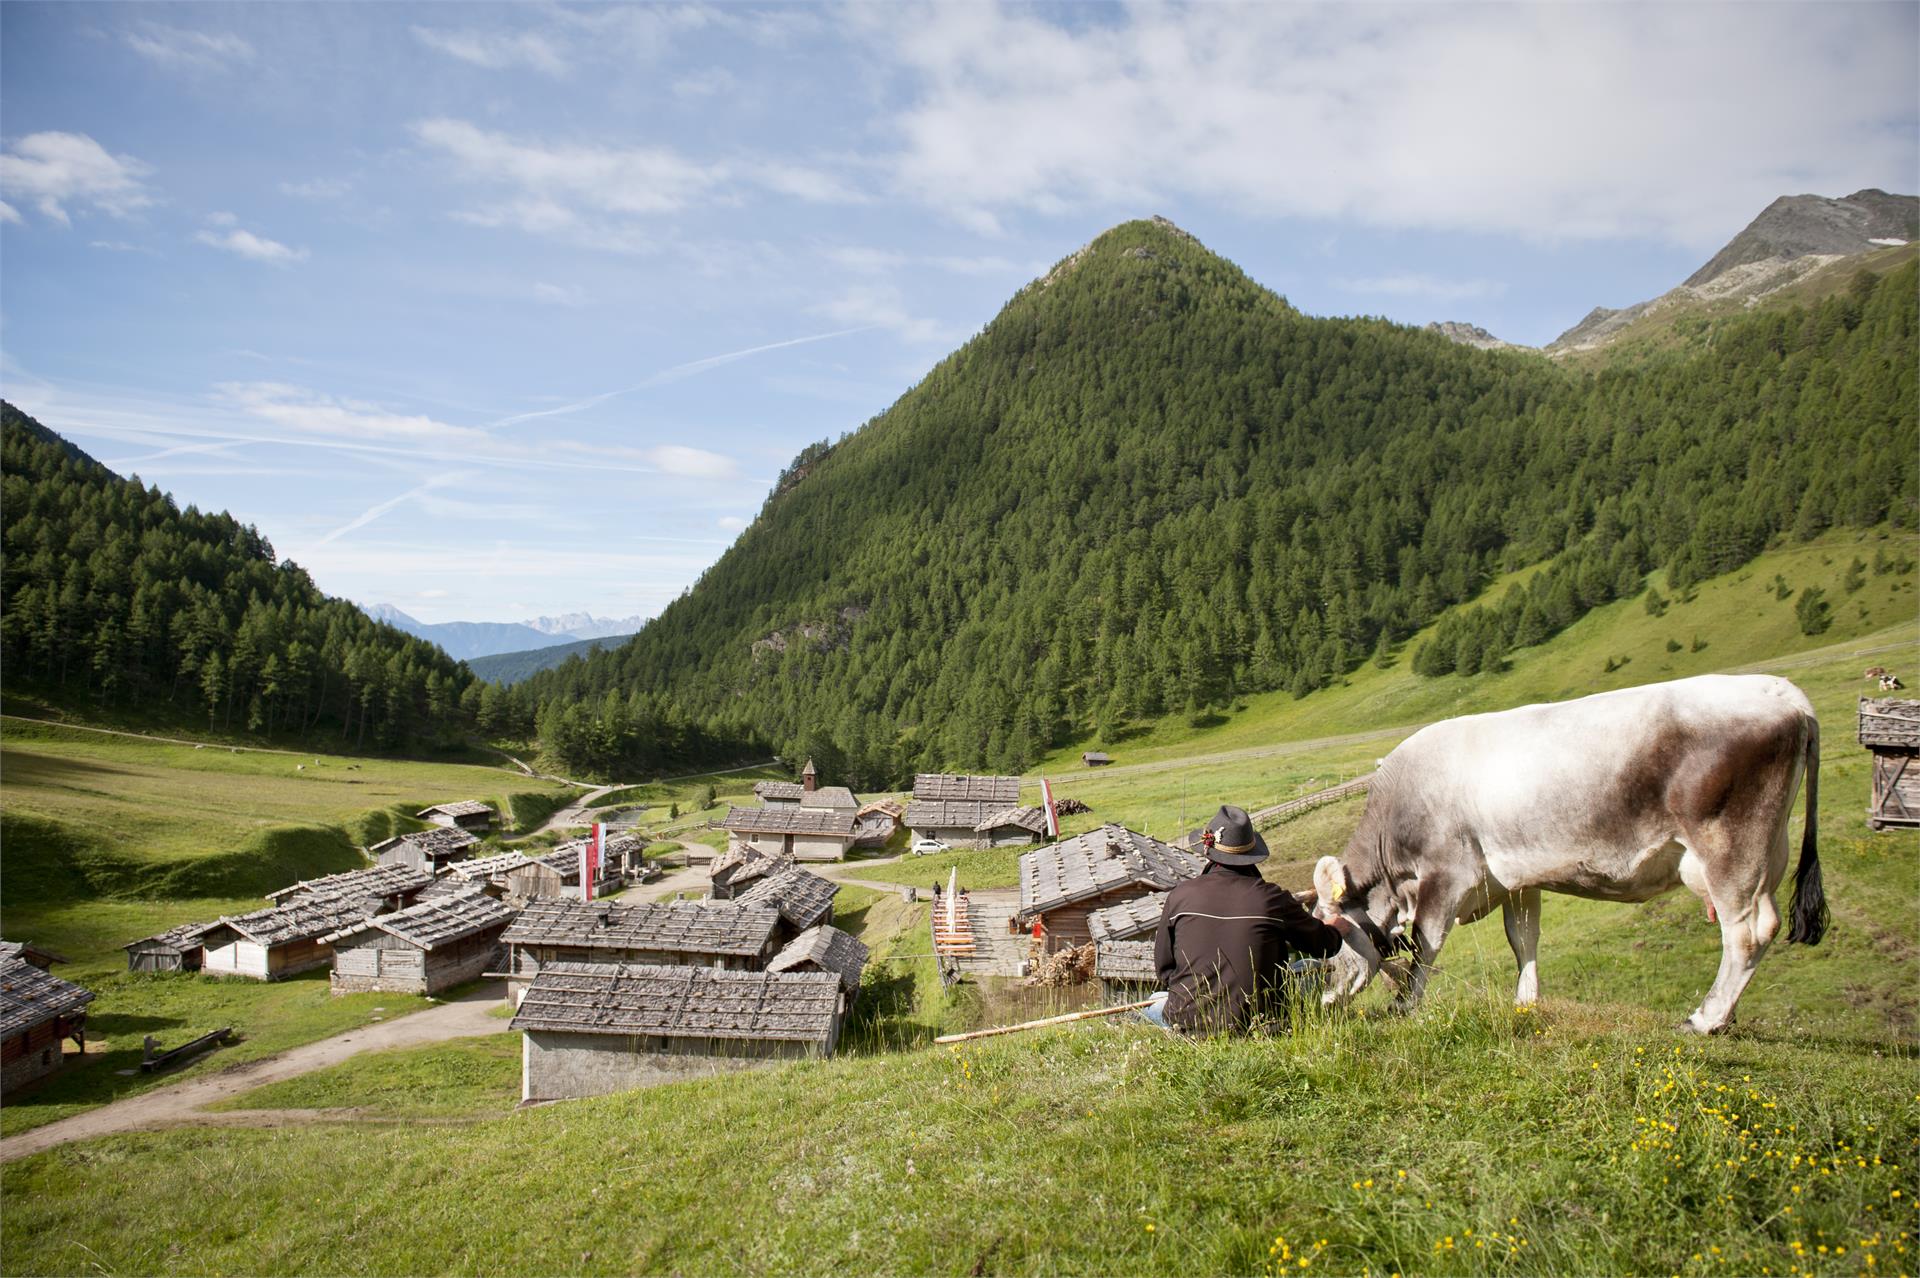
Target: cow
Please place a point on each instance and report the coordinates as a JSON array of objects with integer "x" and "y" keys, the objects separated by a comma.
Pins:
[{"x": 1619, "y": 796}]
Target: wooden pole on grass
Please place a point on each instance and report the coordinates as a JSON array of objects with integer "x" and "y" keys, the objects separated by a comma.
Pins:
[{"x": 1046, "y": 1021}]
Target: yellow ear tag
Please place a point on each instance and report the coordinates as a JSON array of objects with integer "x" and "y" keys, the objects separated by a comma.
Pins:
[{"x": 1339, "y": 891}]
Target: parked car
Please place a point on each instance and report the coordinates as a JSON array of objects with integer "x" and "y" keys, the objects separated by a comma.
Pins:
[{"x": 924, "y": 846}]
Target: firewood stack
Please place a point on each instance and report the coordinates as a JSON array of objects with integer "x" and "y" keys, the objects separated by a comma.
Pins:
[{"x": 1064, "y": 967}]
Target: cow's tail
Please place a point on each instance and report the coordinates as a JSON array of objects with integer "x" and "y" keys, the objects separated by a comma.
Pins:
[{"x": 1807, "y": 916}]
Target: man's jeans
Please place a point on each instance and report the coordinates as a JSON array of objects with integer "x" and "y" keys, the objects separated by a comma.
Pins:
[{"x": 1308, "y": 978}]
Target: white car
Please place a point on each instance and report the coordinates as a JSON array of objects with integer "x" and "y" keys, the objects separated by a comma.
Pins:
[{"x": 924, "y": 846}]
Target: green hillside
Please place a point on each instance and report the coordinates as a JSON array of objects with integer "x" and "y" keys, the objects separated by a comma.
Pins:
[
  {"x": 1150, "y": 489},
  {"x": 508, "y": 668}
]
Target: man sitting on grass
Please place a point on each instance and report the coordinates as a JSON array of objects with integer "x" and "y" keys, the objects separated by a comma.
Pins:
[{"x": 1227, "y": 938}]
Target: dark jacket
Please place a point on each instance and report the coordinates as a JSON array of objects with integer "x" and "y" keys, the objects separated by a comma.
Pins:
[{"x": 1223, "y": 946}]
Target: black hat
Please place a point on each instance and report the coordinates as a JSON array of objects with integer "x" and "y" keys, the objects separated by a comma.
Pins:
[{"x": 1233, "y": 840}]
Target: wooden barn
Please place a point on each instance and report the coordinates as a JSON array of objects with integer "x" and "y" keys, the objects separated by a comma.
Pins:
[
  {"x": 428, "y": 947},
  {"x": 803, "y": 900},
  {"x": 1095, "y": 759},
  {"x": 556, "y": 875},
  {"x": 393, "y": 885},
  {"x": 1063, "y": 884},
  {"x": 825, "y": 949},
  {"x": 37, "y": 1011},
  {"x": 178, "y": 949},
  {"x": 663, "y": 933},
  {"x": 464, "y": 814},
  {"x": 1890, "y": 728},
  {"x": 875, "y": 823},
  {"x": 430, "y": 850},
  {"x": 794, "y": 832},
  {"x": 591, "y": 1029},
  {"x": 971, "y": 812},
  {"x": 1125, "y": 970}
]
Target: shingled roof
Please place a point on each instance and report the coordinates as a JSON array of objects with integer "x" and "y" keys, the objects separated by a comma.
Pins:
[
  {"x": 1124, "y": 961},
  {"x": 475, "y": 869},
  {"x": 676, "y": 927},
  {"x": 1098, "y": 862},
  {"x": 30, "y": 997},
  {"x": 829, "y": 796},
  {"x": 185, "y": 937},
  {"x": 825, "y": 949},
  {"x": 1033, "y": 820},
  {"x": 741, "y": 865},
  {"x": 436, "y": 922},
  {"x": 381, "y": 881},
  {"x": 458, "y": 808},
  {"x": 777, "y": 791},
  {"x": 300, "y": 918},
  {"x": 681, "y": 1002},
  {"x": 832, "y": 822},
  {"x": 38, "y": 955},
  {"x": 941, "y": 787},
  {"x": 1134, "y": 917},
  {"x": 803, "y": 899}
]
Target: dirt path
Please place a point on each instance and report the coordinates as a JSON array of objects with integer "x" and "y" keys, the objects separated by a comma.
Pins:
[{"x": 183, "y": 1103}]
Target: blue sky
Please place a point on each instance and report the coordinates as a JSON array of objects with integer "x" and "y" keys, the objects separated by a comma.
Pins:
[{"x": 493, "y": 311}]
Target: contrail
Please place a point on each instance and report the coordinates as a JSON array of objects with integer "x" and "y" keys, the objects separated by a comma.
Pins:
[
  {"x": 677, "y": 372},
  {"x": 368, "y": 516}
]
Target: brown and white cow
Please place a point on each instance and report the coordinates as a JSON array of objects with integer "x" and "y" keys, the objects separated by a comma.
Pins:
[{"x": 1620, "y": 797}]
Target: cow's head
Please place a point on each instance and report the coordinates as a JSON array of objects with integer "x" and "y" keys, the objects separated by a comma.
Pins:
[{"x": 1364, "y": 885}]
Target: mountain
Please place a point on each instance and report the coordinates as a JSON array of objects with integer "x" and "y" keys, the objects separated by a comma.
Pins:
[
  {"x": 113, "y": 598},
  {"x": 467, "y": 640},
  {"x": 507, "y": 668},
  {"x": 1793, "y": 239},
  {"x": 1150, "y": 484},
  {"x": 1469, "y": 335}
]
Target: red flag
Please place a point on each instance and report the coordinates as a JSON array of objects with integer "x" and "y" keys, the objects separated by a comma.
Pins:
[
  {"x": 590, "y": 854},
  {"x": 1053, "y": 818}
]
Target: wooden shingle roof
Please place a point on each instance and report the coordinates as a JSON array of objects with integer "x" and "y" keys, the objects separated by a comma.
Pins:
[
  {"x": 1889, "y": 723},
  {"x": 681, "y": 1002},
  {"x": 830, "y": 796},
  {"x": 943, "y": 814},
  {"x": 458, "y": 808},
  {"x": 803, "y": 899},
  {"x": 185, "y": 937},
  {"x": 1033, "y": 820},
  {"x": 299, "y": 918},
  {"x": 825, "y": 949},
  {"x": 886, "y": 807},
  {"x": 381, "y": 880},
  {"x": 741, "y": 865},
  {"x": 1138, "y": 916},
  {"x": 777, "y": 791},
  {"x": 1124, "y": 961},
  {"x": 435, "y": 922},
  {"x": 675, "y": 927},
  {"x": 38, "y": 955},
  {"x": 1001, "y": 792},
  {"x": 30, "y": 997},
  {"x": 475, "y": 869},
  {"x": 1098, "y": 862},
  {"x": 832, "y": 822}
]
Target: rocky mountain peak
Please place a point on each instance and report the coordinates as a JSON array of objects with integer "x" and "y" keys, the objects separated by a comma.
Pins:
[
  {"x": 1795, "y": 226},
  {"x": 1468, "y": 335}
]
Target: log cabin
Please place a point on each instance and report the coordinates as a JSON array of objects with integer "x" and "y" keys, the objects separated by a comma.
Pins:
[
  {"x": 428, "y": 947},
  {"x": 429, "y": 850},
  {"x": 803, "y": 900},
  {"x": 178, "y": 949},
  {"x": 1890, "y": 729},
  {"x": 463, "y": 814},
  {"x": 37, "y": 1011},
  {"x": 728, "y": 935},
  {"x": 591, "y": 1029},
  {"x": 1063, "y": 884}
]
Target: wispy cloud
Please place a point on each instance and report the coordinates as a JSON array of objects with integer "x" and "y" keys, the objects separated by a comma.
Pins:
[
  {"x": 54, "y": 170},
  {"x": 317, "y": 188},
  {"x": 372, "y": 513},
  {"x": 1416, "y": 284},
  {"x": 882, "y": 306},
  {"x": 225, "y": 235},
  {"x": 119, "y": 246},
  {"x": 179, "y": 49},
  {"x": 495, "y": 50}
]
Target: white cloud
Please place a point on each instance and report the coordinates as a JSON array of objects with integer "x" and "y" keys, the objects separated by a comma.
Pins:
[
  {"x": 307, "y": 412},
  {"x": 317, "y": 188},
  {"x": 118, "y": 246},
  {"x": 1416, "y": 284},
  {"x": 1545, "y": 120},
  {"x": 693, "y": 463},
  {"x": 53, "y": 170},
  {"x": 8, "y": 213},
  {"x": 244, "y": 243},
  {"x": 181, "y": 50},
  {"x": 496, "y": 50},
  {"x": 705, "y": 83},
  {"x": 882, "y": 306},
  {"x": 558, "y": 295},
  {"x": 732, "y": 523}
]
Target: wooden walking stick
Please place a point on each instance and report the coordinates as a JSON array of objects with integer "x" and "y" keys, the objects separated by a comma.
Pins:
[{"x": 1042, "y": 1023}]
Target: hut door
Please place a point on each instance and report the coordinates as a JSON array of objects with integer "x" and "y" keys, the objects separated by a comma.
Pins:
[{"x": 786, "y": 845}]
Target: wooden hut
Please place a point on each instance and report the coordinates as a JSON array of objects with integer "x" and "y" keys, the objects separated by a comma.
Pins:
[
  {"x": 712, "y": 934},
  {"x": 463, "y": 814},
  {"x": 393, "y": 885},
  {"x": 875, "y": 823},
  {"x": 1128, "y": 920},
  {"x": 1890, "y": 728},
  {"x": 428, "y": 947},
  {"x": 825, "y": 949},
  {"x": 803, "y": 900},
  {"x": 1096, "y": 759},
  {"x": 271, "y": 944},
  {"x": 793, "y": 833},
  {"x": 1061, "y": 885},
  {"x": 37, "y": 1011},
  {"x": 1125, "y": 970},
  {"x": 592, "y": 1029},
  {"x": 178, "y": 949},
  {"x": 556, "y": 874},
  {"x": 429, "y": 850},
  {"x": 735, "y": 871},
  {"x": 27, "y": 952},
  {"x": 961, "y": 811},
  {"x": 1012, "y": 827}
]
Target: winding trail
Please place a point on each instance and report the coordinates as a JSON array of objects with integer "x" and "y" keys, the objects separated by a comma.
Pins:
[{"x": 184, "y": 1103}]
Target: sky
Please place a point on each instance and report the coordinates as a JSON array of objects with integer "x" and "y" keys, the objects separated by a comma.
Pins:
[{"x": 494, "y": 311}]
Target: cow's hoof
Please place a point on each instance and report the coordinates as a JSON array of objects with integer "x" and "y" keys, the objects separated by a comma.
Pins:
[{"x": 1692, "y": 1025}]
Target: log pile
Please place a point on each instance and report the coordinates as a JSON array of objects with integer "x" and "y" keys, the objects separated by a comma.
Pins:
[{"x": 1072, "y": 966}]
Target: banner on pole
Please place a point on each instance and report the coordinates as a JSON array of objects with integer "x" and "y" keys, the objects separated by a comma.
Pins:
[
  {"x": 1053, "y": 817},
  {"x": 590, "y": 854}
]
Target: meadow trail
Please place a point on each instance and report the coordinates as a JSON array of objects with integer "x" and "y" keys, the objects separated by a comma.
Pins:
[{"x": 468, "y": 1016}]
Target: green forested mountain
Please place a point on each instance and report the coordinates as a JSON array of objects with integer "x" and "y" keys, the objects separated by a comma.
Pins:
[
  {"x": 111, "y": 595},
  {"x": 1150, "y": 483}
]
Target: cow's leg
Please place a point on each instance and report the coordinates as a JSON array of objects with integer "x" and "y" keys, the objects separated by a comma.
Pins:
[
  {"x": 1436, "y": 906},
  {"x": 1522, "y": 917},
  {"x": 1742, "y": 895}
]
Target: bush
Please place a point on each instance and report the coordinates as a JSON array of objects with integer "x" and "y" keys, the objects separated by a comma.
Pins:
[{"x": 1813, "y": 611}]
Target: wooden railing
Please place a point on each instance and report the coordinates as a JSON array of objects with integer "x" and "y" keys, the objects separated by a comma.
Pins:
[{"x": 1280, "y": 812}]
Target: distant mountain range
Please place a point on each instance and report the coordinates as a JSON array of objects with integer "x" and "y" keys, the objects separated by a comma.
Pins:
[
  {"x": 465, "y": 640},
  {"x": 1793, "y": 238}
]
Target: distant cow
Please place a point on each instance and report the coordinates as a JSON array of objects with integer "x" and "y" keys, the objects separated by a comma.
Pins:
[{"x": 1619, "y": 797}]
